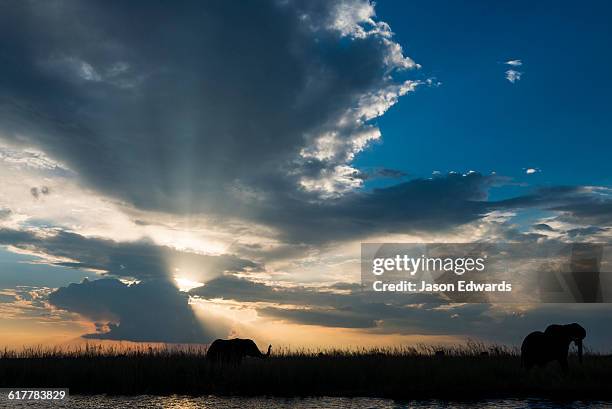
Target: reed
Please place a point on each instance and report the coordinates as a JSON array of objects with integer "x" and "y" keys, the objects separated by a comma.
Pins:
[{"x": 469, "y": 371}]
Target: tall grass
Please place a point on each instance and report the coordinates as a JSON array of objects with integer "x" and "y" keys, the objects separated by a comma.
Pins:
[{"x": 470, "y": 371}]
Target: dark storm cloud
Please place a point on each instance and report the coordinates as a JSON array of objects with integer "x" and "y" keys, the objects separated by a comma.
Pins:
[
  {"x": 543, "y": 227},
  {"x": 381, "y": 173},
  {"x": 327, "y": 318},
  {"x": 546, "y": 197},
  {"x": 596, "y": 211},
  {"x": 391, "y": 318},
  {"x": 584, "y": 204},
  {"x": 351, "y": 308},
  {"x": 338, "y": 305},
  {"x": 152, "y": 311},
  {"x": 575, "y": 204},
  {"x": 195, "y": 98},
  {"x": 234, "y": 288},
  {"x": 416, "y": 205},
  {"x": 389, "y": 173},
  {"x": 418, "y": 314},
  {"x": 209, "y": 107},
  {"x": 140, "y": 259},
  {"x": 586, "y": 231},
  {"x": 508, "y": 233},
  {"x": 211, "y": 114}
]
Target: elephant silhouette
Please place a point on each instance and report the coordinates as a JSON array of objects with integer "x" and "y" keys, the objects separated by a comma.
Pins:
[
  {"x": 539, "y": 348},
  {"x": 233, "y": 351}
]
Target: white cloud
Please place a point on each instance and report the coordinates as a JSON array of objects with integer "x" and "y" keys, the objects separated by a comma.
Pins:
[
  {"x": 88, "y": 72},
  {"x": 531, "y": 171},
  {"x": 514, "y": 63},
  {"x": 333, "y": 182},
  {"x": 513, "y": 75},
  {"x": 24, "y": 158},
  {"x": 338, "y": 144}
]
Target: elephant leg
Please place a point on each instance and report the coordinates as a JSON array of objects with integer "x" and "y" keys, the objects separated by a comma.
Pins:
[
  {"x": 563, "y": 363},
  {"x": 526, "y": 363}
]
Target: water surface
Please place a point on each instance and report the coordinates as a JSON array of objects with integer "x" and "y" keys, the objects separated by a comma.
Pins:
[{"x": 216, "y": 402}]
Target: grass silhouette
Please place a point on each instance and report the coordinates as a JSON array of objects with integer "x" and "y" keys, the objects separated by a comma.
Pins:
[{"x": 471, "y": 371}]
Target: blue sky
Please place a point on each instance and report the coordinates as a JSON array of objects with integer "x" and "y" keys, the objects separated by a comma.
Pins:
[
  {"x": 556, "y": 118},
  {"x": 22, "y": 270}
]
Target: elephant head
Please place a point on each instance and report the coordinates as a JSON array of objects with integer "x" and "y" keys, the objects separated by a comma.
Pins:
[
  {"x": 567, "y": 334},
  {"x": 249, "y": 348}
]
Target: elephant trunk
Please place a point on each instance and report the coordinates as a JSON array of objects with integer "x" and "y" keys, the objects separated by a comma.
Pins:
[
  {"x": 269, "y": 348},
  {"x": 579, "y": 345}
]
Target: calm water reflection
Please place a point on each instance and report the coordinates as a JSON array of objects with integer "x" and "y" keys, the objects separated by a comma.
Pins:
[{"x": 214, "y": 402}]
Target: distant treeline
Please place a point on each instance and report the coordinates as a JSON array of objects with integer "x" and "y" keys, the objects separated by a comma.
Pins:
[{"x": 473, "y": 371}]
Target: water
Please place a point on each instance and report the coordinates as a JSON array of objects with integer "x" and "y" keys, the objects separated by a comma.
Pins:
[{"x": 215, "y": 402}]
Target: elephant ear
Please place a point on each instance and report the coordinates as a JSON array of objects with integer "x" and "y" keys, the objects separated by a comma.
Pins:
[
  {"x": 576, "y": 331},
  {"x": 557, "y": 331}
]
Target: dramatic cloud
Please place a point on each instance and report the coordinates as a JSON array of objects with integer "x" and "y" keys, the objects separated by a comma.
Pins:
[
  {"x": 153, "y": 311},
  {"x": 382, "y": 173},
  {"x": 543, "y": 227},
  {"x": 576, "y": 204},
  {"x": 257, "y": 118},
  {"x": 415, "y": 205},
  {"x": 238, "y": 103},
  {"x": 586, "y": 232},
  {"x": 30, "y": 158},
  {"x": 337, "y": 305},
  {"x": 248, "y": 114},
  {"x": 576, "y": 213},
  {"x": 348, "y": 306},
  {"x": 141, "y": 260}
]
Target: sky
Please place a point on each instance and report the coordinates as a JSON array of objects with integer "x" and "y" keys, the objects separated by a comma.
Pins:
[
  {"x": 551, "y": 119},
  {"x": 198, "y": 170}
]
